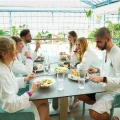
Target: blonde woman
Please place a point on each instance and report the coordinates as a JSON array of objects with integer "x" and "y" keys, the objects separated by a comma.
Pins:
[
  {"x": 72, "y": 37},
  {"x": 9, "y": 85},
  {"x": 86, "y": 57}
]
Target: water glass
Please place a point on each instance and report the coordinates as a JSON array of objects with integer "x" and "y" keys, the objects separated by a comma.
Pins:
[
  {"x": 46, "y": 68},
  {"x": 60, "y": 81},
  {"x": 81, "y": 80}
]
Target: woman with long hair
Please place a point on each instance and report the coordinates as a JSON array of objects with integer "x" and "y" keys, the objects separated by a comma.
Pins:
[
  {"x": 86, "y": 57},
  {"x": 9, "y": 85}
]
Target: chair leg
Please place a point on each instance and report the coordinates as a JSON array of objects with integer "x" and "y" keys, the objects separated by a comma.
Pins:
[
  {"x": 111, "y": 113},
  {"x": 83, "y": 112}
]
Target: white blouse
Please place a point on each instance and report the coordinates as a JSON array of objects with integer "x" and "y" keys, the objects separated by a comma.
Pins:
[
  {"x": 19, "y": 68},
  {"x": 108, "y": 69},
  {"x": 27, "y": 48},
  {"x": 9, "y": 86},
  {"x": 89, "y": 59}
]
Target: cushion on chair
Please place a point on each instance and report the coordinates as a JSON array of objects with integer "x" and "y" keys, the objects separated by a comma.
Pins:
[{"x": 20, "y": 115}]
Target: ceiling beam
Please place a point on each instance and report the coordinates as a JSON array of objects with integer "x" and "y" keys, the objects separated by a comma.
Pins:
[{"x": 89, "y": 3}]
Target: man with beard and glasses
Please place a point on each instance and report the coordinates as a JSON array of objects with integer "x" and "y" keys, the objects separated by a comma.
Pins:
[
  {"x": 26, "y": 39},
  {"x": 102, "y": 102}
]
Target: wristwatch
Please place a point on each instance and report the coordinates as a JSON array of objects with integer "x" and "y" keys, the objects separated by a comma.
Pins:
[{"x": 104, "y": 79}]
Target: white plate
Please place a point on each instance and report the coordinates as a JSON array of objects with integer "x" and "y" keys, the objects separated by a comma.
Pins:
[
  {"x": 40, "y": 68},
  {"x": 44, "y": 78},
  {"x": 59, "y": 68},
  {"x": 72, "y": 78},
  {"x": 75, "y": 78}
]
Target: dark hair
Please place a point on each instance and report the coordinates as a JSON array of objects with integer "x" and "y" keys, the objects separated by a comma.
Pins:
[
  {"x": 73, "y": 33},
  {"x": 102, "y": 32},
  {"x": 24, "y": 32},
  {"x": 16, "y": 39}
]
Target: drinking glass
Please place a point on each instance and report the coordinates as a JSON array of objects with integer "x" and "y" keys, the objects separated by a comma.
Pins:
[
  {"x": 46, "y": 65},
  {"x": 81, "y": 80},
  {"x": 60, "y": 81}
]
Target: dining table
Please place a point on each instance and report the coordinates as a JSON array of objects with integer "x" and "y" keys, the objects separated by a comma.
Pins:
[{"x": 70, "y": 89}]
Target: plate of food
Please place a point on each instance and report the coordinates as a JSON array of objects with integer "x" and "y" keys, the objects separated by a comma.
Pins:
[
  {"x": 46, "y": 81},
  {"x": 64, "y": 64},
  {"x": 39, "y": 59},
  {"x": 63, "y": 57},
  {"x": 59, "y": 69},
  {"x": 74, "y": 75},
  {"x": 38, "y": 68}
]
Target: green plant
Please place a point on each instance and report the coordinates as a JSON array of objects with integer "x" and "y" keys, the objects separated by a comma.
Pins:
[
  {"x": 60, "y": 35},
  {"x": 38, "y": 35},
  {"x": 92, "y": 33},
  {"x": 88, "y": 15},
  {"x": 4, "y": 32},
  {"x": 15, "y": 31},
  {"x": 49, "y": 35},
  {"x": 24, "y": 26},
  {"x": 114, "y": 29}
]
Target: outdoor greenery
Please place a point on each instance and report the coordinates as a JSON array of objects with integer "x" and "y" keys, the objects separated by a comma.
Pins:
[
  {"x": 88, "y": 15},
  {"x": 4, "y": 33}
]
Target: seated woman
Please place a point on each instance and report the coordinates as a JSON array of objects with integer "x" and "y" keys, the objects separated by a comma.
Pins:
[
  {"x": 17, "y": 66},
  {"x": 9, "y": 85},
  {"x": 72, "y": 37},
  {"x": 87, "y": 58}
]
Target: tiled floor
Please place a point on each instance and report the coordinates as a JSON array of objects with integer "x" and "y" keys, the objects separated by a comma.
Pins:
[{"x": 76, "y": 113}]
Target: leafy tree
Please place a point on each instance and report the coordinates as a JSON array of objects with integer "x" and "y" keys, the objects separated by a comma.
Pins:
[{"x": 88, "y": 15}]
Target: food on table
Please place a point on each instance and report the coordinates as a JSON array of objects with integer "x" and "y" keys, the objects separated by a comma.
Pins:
[
  {"x": 62, "y": 53},
  {"x": 46, "y": 82},
  {"x": 61, "y": 63},
  {"x": 35, "y": 68},
  {"x": 67, "y": 64},
  {"x": 75, "y": 73},
  {"x": 40, "y": 58},
  {"x": 38, "y": 67},
  {"x": 60, "y": 69},
  {"x": 63, "y": 56}
]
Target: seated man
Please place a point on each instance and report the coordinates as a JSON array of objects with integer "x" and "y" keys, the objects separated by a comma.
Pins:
[
  {"x": 102, "y": 102},
  {"x": 26, "y": 39}
]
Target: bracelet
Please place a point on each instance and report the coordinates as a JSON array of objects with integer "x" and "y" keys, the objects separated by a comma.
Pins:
[
  {"x": 29, "y": 93},
  {"x": 29, "y": 58}
]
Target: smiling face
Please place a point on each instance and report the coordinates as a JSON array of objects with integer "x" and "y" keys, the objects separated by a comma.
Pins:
[
  {"x": 71, "y": 38},
  {"x": 19, "y": 47}
]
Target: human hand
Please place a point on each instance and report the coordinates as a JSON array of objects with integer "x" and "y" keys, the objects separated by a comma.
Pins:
[
  {"x": 92, "y": 70},
  {"x": 37, "y": 46},
  {"x": 27, "y": 54},
  {"x": 34, "y": 86},
  {"x": 96, "y": 79},
  {"x": 29, "y": 77}
]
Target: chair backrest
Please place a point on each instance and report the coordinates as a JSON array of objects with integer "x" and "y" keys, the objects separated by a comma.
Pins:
[
  {"x": 20, "y": 115},
  {"x": 116, "y": 102}
]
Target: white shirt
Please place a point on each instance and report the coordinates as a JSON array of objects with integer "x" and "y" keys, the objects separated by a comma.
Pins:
[
  {"x": 9, "y": 86},
  {"x": 89, "y": 59},
  {"x": 27, "y": 48},
  {"x": 20, "y": 68},
  {"x": 109, "y": 67}
]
